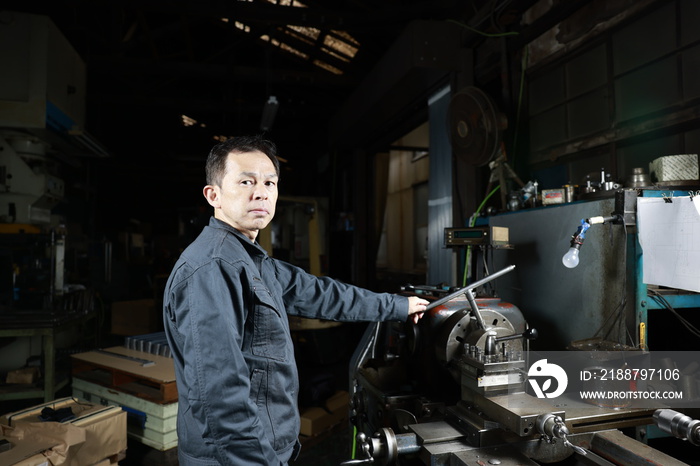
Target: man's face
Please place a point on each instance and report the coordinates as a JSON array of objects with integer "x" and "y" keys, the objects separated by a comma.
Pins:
[{"x": 248, "y": 193}]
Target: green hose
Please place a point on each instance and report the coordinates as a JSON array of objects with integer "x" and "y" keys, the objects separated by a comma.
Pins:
[
  {"x": 354, "y": 442},
  {"x": 467, "y": 257}
]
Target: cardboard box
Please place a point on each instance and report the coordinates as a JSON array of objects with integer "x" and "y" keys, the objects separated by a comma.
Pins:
[
  {"x": 26, "y": 375},
  {"x": 38, "y": 452},
  {"x": 136, "y": 317},
  {"x": 340, "y": 401},
  {"x": 315, "y": 420},
  {"x": 93, "y": 435},
  {"x": 338, "y": 406},
  {"x": 553, "y": 196}
]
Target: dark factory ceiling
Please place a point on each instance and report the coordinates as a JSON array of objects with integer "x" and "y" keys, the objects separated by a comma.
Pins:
[
  {"x": 217, "y": 62},
  {"x": 149, "y": 63},
  {"x": 165, "y": 79}
]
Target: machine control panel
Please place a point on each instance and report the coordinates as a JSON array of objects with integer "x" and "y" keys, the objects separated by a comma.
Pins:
[{"x": 496, "y": 237}]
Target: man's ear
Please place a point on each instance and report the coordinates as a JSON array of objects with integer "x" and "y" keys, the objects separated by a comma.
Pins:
[{"x": 211, "y": 193}]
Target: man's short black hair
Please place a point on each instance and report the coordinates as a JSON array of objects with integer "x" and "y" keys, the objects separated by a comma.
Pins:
[{"x": 216, "y": 161}]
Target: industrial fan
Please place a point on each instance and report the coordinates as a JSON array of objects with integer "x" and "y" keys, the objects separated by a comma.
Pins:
[
  {"x": 475, "y": 130},
  {"x": 474, "y": 126}
]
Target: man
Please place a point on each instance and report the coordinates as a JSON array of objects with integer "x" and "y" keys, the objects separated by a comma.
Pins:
[{"x": 225, "y": 313}]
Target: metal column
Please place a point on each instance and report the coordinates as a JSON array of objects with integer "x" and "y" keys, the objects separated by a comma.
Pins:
[{"x": 440, "y": 259}]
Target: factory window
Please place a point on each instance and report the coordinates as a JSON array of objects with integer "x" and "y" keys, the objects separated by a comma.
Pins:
[
  {"x": 345, "y": 44},
  {"x": 308, "y": 35},
  {"x": 330, "y": 50},
  {"x": 327, "y": 67}
]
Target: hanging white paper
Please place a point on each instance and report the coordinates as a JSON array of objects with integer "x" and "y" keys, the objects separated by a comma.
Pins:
[{"x": 669, "y": 233}]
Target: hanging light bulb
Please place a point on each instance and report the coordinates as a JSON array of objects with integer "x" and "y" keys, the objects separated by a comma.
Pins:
[
  {"x": 269, "y": 113},
  {"x": 570, "y": 259}
]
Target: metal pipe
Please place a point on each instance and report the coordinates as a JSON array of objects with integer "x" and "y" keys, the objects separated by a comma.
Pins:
[{"x": 474, "y": 285}]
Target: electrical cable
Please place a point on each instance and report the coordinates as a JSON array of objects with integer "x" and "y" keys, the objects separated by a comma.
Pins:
[
  {"x": 660, "y": 299},
  {"x": 481, "y": 17},
  {"x": 472, "y": 221},
  {"x": 484, "y": 258},
  {"x": 492, "y": 18}
]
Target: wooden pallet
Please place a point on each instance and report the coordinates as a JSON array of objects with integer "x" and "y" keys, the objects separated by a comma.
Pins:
[{"x": 154, "y": 382}]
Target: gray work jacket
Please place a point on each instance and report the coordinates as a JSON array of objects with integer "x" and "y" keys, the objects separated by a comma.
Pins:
[{"x": 225, "y": 313}]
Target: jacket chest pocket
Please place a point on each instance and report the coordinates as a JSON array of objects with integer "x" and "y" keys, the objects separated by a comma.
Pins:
[{"x": 270, "y": 336}]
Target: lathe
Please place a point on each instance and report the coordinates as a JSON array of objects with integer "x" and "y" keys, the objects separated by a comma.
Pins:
[{"x": 452, "y": 391}]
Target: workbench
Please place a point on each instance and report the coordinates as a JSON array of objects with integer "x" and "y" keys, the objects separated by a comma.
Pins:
[{"x": 45, "y": 324}]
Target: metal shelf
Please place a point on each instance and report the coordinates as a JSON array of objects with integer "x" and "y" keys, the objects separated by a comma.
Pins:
[{"x": 45, "y": 325}]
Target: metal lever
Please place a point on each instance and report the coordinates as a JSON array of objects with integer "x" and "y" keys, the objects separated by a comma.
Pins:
[
  {"x": 384, "y": 447},
  {"x": 364, "y": 448},
  {"x": 580, "y": 450},
  {"x": 475, "y": 309},
  {"x": 552, "y": 427},
  {"x": 467, "y": 291},
  {"x": 369, "y": 460},
  {"x": 529, "y": 334},
  {"x": 492, "y": 339}
]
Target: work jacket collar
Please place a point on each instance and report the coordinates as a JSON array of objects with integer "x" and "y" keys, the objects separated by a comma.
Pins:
[{"x": 251, "y": 247}]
